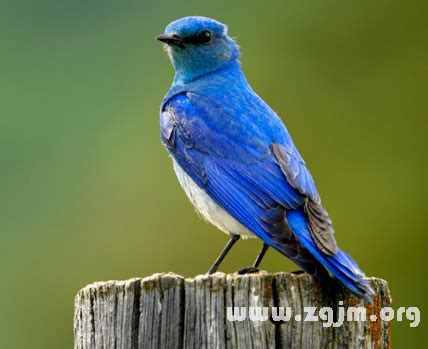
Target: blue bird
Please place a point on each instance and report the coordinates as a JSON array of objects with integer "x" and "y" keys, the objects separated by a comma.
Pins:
[{"x": 236, "y": 161}]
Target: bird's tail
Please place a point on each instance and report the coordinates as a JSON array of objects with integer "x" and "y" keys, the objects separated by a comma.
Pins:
[{"x": 340, "y": 265}]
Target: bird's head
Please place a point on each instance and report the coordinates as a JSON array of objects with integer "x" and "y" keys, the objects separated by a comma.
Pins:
[{"x": 197, "y": 46}]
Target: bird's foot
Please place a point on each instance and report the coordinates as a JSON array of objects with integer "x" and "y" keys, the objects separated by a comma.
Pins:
[
  {"x": 248, "y": 270},
  {"x": 298, "y": 272}
]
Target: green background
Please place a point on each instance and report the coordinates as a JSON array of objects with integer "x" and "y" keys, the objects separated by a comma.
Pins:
[{"x": 88, "y": 192}]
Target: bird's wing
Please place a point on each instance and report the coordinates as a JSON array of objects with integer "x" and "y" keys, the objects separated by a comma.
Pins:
[
  {"x": 254, "y": 178},
  {"x": 297, "y": 174}
]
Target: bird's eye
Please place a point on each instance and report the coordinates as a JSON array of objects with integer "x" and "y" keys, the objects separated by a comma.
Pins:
[{"x": 203, "y": 37}]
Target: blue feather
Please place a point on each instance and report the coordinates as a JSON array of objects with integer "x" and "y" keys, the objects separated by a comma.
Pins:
[{"x": 236, "y": 149}]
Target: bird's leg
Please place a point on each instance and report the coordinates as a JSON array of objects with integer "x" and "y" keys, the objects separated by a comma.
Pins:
[
  {"x": 254, "y": 268},
  {"x": 231, "y": 242},
  {"x": 260, "y": 256}
]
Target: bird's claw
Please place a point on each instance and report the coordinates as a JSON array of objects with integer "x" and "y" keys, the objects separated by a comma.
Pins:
[{"x": 248, "y": 270}]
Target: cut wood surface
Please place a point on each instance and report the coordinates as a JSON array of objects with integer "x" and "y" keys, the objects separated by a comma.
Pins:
[{"x": 169, "y": 311}]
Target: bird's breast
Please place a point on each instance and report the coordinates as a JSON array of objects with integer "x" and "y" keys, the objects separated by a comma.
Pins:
[{"x": 207, "y": 207}]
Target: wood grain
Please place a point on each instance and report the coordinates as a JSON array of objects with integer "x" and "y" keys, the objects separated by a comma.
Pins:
[{"x": 169, "y": 311}]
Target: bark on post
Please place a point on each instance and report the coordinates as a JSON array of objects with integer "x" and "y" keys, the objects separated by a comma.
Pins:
[{"x": 169, "y": 311}]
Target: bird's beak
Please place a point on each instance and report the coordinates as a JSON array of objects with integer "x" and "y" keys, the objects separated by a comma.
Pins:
[{"x": 170, "y": 40}]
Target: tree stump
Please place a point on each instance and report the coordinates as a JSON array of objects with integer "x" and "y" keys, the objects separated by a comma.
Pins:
[{"x": 169, "y": 311}]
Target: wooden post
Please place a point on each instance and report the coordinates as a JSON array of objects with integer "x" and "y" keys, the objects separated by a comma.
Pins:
[{"x": 169, "y": 311}]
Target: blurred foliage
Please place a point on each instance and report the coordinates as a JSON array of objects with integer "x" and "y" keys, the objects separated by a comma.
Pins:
[{"x": 88, "y": 192}]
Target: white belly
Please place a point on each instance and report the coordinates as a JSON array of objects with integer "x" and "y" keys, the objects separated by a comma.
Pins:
[{"x": 206, "y": 206}]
